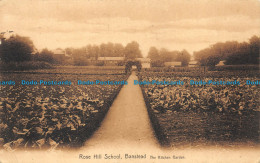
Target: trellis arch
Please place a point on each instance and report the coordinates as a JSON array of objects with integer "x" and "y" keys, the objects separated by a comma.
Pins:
[{"x": 129, "y": 64}]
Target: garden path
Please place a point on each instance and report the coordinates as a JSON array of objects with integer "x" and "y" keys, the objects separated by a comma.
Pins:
[{"x": 127, "y": 123}]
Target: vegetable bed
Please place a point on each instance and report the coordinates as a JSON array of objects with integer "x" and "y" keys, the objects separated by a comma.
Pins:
[
  {"x": 49, "y": 117},
  {"x": 199, "y": 115}
]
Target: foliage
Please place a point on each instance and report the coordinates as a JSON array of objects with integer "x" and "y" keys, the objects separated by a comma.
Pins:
[
  {"x": 233, "y": 52},
  {"x": 157, "y": 63},
  {"x": 130, "y": 63},
  {"x": 209, "y": 98},
  {"x": 121, "y": 63},
  {"x": 203, "y": 114},
  {"x": 153, "y": 54},
  {"x": 26, "y": 65},
  {"x": 43, "y": 116},
  {"x": 163, "y": 55},
  {"x": 95, "y": 51},
  {"x": 183, "y": 57},
  {"x": 45, "y": 55},
  {"x": 100, "y": 63},
  {"x": 132, "y": 50},
  {"x": 16, "y": 48},
  {"x": 80, "y": 61},
  {"x": 167, "y": 56}
]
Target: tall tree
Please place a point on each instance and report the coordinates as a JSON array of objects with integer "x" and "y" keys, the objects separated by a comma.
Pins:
[
  {"x": 103, "y": 50},
  {"x": 89, "y": 51},
  {"x": 16, "y": 48},
  {"x": 45, "y": 55},
  {"x": 118, "y": 50},
  {"x": 153, "y": 54},
  {"x": 183, "y": 57},
  {"x": 166, "y": 55},
  {"x": 254, "y": 43},
  {"x": 110, "y": 49},
  {"x": 132, "y": 51},
  {"x": 95, "y": 51}
]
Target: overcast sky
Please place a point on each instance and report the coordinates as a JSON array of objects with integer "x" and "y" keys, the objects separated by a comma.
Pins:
[{"x": 172, "y": 24}]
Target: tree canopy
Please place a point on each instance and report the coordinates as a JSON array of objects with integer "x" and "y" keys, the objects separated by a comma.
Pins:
[
  {"x": 102, "y": 50},
  {"x": 153, "y": 54},
  {"x": 45, "y": 55},
  {"x": 132, "y": 50},
  {"x": 158, "y": 57},
  {"x": 232, "y": 52},
  {"x": 16, "y": 48}
]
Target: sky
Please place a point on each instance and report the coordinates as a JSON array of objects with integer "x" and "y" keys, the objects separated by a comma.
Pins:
[{"x": 171, "y": 24}]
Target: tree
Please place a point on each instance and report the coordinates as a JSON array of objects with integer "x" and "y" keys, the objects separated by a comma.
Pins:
[
  {"x": 183, "y": 57},
  {"x": 153, "y": 54},
  {"x": 166, "y": 55},
  {"x": 103, "y": 50},
  {"x": 95, "y": 51},
  {"x": 69, "y": 51},
  {"x": 110, "y": 49},
  {"x": 118, "y": 50},
  {"x": 233, "y": 52},
  {"x": 80, "y": 52},
  {"x": 157, "y": 63},
  {"x": 17, "y": 49},
  {"x": 89, "y": 51},
  {"x": 254, "y": 43},
  {"x": 45, "y": 55},
  {"x": 132, "y": 51},
  {"x": 241, "y": 55}
]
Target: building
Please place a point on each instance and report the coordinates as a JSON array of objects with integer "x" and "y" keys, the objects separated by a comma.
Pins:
[
  {"x": 111, "y": 60},
  {"x": 60, "y": 53},
  {"x": 60, "y": 56},
  {"x": 193, "y": 63},
  {"x": 145, "y": 62},
  {"x": 172, "y": 64}
]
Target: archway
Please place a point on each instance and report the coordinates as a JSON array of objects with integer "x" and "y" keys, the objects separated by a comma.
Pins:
[{"x": 129, "y": 64}]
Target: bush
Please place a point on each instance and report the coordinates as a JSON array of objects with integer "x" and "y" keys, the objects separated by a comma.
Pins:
[
  {"x": 157, "y": 63},
  {"x": 26, "y": 65},
  {"x": 81, "y": 62},
  {"x": 45, "y": 55},
  {"x": 100, "y": 63},
  {"x": 234, "y": 68},
  {"x": 120, "y": 63}
]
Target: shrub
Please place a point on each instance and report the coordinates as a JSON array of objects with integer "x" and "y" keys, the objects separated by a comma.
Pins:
[
  {"x": 81, "y": 62},
  {"x": 120, "y": 63},
  {"x": 100, "y": 63},
  {"x": 26, "y": 65},
  {"x": 157, "y": 63}
]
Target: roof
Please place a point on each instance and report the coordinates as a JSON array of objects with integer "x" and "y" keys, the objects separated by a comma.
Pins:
[
  {"x": 110, "y": 58},
  {"x": 58, "y": 51},
  {"x": 172, "y": 63},
  {"x": 143, "y": 59},
  {"x": 193, "y": 62}
]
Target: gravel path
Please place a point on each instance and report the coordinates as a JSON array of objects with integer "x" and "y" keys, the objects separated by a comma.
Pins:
[{"x": 127, "y": 123}]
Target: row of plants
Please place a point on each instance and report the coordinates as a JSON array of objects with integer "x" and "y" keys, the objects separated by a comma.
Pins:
[
  {"x": 49, "y": 117},
  {"x": 202, "y": 113}
]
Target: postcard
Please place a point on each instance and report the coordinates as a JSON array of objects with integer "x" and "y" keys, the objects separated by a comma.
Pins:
[{"x": 129, "y": 81}]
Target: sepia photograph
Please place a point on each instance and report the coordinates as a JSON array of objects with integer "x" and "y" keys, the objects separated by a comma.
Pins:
[{"x": 129, "y": 81}]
